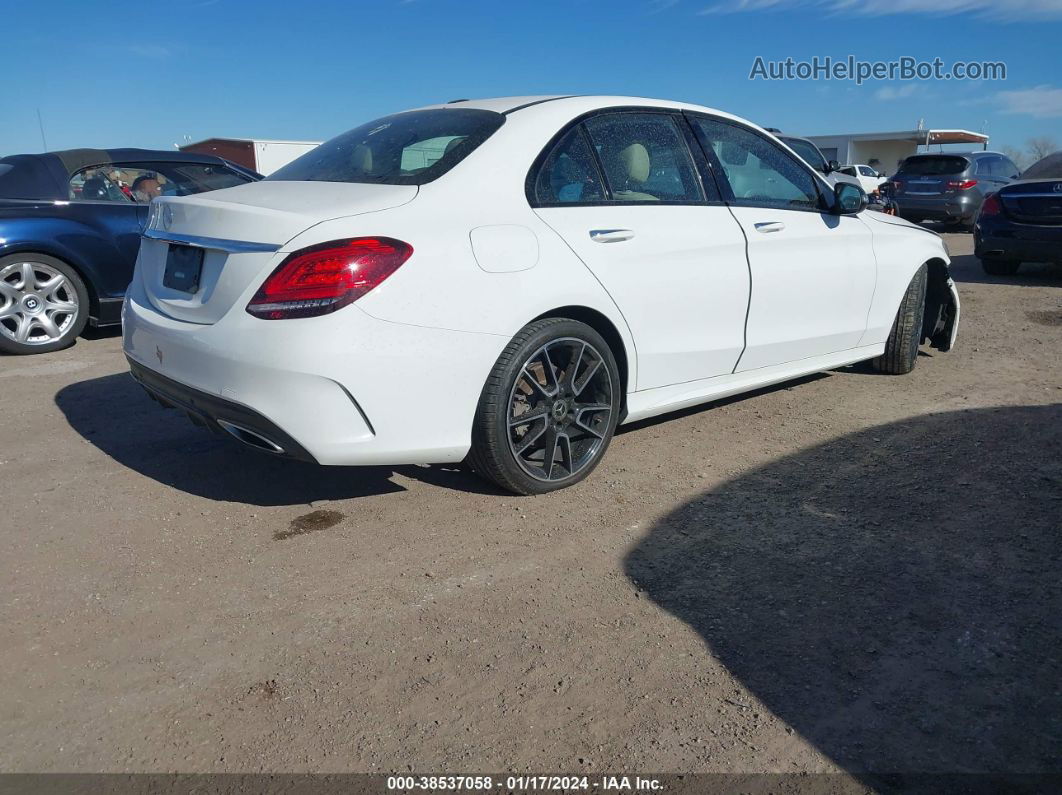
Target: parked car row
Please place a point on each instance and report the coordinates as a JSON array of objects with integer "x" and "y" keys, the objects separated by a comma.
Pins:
[{"x": 70, "y": 226}]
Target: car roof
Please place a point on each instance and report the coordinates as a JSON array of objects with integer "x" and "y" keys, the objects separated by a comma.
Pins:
[
  {"x": 46, "y": 175},
  {"x": 527, "y": 106}
]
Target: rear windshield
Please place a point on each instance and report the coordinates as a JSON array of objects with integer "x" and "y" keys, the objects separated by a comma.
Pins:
[
  {"x": 404, "y": 149},
  {"x": 807, "y": 150},
  {"x": 934, "y": 165}
]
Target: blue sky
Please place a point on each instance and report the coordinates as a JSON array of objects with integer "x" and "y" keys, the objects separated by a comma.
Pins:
[{"x": 148, "y": 74}]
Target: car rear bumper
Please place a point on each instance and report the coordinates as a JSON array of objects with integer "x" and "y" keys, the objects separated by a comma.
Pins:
[
  {"x": 342, "y": 389},
  {"x": 942, "y": 208},
  {"x": 218, "y": 414},
  {"x": 938, "y": 209},
  {"x": 1025, "y": 242}
]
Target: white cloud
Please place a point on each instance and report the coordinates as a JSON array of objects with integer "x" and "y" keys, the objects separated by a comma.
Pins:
[
  {"x": 1010, "y": 10},
  {"x": 896, "y": 92},
  {"x": 1042, "y": 102}
]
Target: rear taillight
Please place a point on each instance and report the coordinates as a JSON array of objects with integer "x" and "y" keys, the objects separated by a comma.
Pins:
[
  {"x": 991, "y": 205},
  {"x": 324, "y": 278},
  {"x": 961, "y": 184}
]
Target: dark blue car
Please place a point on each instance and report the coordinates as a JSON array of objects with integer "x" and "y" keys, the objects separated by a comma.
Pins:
[
  {"x": 70, "y": 225},
  {"x": 1023, "y": 221}
]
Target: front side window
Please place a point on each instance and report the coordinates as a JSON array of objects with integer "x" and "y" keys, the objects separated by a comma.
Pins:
[
  {"x": 109, "y": 183},
  {"x": 569, "y": 173},
  {"x": 867, "y": 171},
  {"x": 186, "y": 179},
  {"x": 760, "y": 173},
  {"x": 409, "y": 148},
  {"x": 644, "y": 157},
  {"x": 142, "y": 182}
]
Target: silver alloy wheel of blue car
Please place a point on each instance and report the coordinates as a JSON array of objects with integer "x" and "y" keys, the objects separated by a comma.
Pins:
[{"x": 38, "y": 304}]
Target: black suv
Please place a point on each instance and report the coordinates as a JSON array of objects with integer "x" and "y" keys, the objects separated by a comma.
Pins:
[{"x": 949, "y": 187}]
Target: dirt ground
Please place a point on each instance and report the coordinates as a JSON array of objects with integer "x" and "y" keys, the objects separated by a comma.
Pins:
[{"x": 853, "y": 572}]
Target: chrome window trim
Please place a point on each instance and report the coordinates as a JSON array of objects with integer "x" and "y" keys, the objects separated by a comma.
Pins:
[{"x": 220, "y": 244}]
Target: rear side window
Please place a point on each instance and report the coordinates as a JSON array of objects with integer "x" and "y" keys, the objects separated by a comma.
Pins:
[
  {"x": 644, "y": 157},
  {"x": 987, "y": 166},
  {"x": 409, "y": 148},
  {"x": 569, "y": 173},
  {"x": 933, "y": 165}
]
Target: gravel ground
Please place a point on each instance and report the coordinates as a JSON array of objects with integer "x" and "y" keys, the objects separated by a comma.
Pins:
[{"x": 852, "y": 572}]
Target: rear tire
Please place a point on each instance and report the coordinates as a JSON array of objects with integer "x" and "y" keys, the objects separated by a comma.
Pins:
[
  {"x": 901, "y": 349},
  {"x": 44, "y": 304},
  {"x": 562, "y": 375},
  {"x": 999, "y": 267}
]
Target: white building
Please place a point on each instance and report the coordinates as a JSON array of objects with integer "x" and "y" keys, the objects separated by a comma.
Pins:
[{"x": 884, "y": 151}]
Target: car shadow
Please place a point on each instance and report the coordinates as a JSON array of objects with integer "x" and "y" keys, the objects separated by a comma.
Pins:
[
  {"x": 894, "y": 596},
  {"x": 702, "y": 407},
  {"x": 967, "y": 268},
  {"x": 115, "y": 415}
]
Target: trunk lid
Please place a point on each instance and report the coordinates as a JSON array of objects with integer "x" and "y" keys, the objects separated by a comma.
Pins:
[
  {"x": 239, "y": 231},
  {"x": 1038, "y": 202}
]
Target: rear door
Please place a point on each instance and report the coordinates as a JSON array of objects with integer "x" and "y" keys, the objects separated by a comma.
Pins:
[
  {"x": 813, "y": 273},
  {"x": 101, "y": 198},
  {"x": 625, "y": 193}
]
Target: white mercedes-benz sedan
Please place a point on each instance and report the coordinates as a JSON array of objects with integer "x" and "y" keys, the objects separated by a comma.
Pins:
[{"x": 505, "y": 281}]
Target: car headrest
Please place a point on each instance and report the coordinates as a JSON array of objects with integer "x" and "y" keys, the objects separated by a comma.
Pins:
[
  {"x": 94, "y": 188},
  {"x": 456, "y": 142},
  {"x": 635, "y": 160}
]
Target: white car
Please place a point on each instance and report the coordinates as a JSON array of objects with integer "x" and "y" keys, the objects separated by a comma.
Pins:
[
  {"x": 869, "y": 179},
  {"x": 507, "y": 280}
]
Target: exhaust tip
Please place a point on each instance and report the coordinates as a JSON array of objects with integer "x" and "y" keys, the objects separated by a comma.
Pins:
[{"x": 251, "y": 438}]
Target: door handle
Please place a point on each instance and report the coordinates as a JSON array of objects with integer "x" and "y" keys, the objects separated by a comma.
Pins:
[
  {"x": 610, "y": 235},
  {"x": 770, "y": 226}
]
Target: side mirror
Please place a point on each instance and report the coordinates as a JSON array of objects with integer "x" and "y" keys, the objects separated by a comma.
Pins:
[
  {"x": 833, "y": 165},
  {"x": 849, "y": 199}
]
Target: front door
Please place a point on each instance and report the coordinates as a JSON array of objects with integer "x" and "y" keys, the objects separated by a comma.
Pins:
[{"x": 813, "y": 273}]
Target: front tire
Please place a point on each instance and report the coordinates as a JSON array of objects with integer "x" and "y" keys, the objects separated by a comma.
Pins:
[
  {"x": 44, "y": 304},
  {"x": 901, "y": 349},
  {"x": 548, "y": 410}
]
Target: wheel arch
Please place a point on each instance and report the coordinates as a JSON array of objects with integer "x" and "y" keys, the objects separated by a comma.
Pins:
[
  {"x": 39, "y": 247},
  {"x": 600, "y": 323},
  {"x": 942, "y": 305}
]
